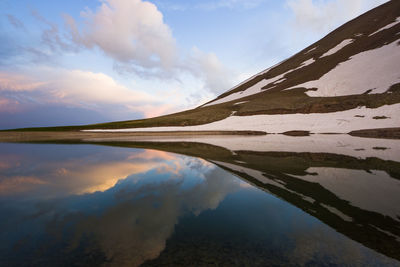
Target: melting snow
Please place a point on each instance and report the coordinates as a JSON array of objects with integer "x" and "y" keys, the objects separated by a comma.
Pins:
[
  {"x": 356, "y": 75},
  {"x": 249, "y": 91},
  {"x": 335, "y": 122},
  {"x": 306, "y": 63},
  {"x": 239, "y": 103},
  {"x": 312, "y": 49},
  {"x": 338, "y": 47},
  {"x": 257, "y": 88},
  {"x": 397, "y": 21}
]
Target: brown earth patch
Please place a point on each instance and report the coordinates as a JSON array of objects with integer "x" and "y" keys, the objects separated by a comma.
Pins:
[
  {"x": 388, "y": 133},
  {"x": 297, "y": 133}
]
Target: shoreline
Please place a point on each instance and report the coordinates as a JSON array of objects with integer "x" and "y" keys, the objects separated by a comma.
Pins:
[
  {"x": 37, "y": 136},
  {"x": 42, "y": 136}
]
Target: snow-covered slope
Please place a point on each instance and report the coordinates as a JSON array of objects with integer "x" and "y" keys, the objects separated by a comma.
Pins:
[
  {"x": 347, "y": 81},
  {"x": 374, "y": 70},
  {"x": 334, "y": 122}
]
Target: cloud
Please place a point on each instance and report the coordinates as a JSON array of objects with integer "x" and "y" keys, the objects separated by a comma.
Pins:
[
  {"x": 144, "y": 198},
  {"x": 8, "y": 105},
  {"x": 218, "y": 78},
  {"x": 15, "y": 22},
  {"x": 52, "y": 36},
  {"x": 18, "y": 82},
  {"x": 101, "y": 171},
  {"x": 128, "y": 31},
  {"x": 18, "y": 184},
  {"x": 9, "y": 49},
  {"x": 77, "y": 88},
  {"x": 320, "y": 16},
  {"x": 134, "y": 34},
  {"x": 123, "y": 218}
]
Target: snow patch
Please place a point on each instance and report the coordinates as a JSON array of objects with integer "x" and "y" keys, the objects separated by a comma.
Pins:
[
  {"x": 334, "y": 122},
  {"x": 375, "y": 70},
  {"x": 338, "y": 47},
  {"x": 312, "y": 49},
  {"x": 257, "y": 88},
  {"x": 397, "y": 21},
  {"x": 256, "y": 75},
  {"x": 306, "y": 63},
  {"x": 239, "y": 103}
]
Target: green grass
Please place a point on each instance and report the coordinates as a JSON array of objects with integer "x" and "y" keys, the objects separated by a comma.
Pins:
[{"x": 189, "y": 117}]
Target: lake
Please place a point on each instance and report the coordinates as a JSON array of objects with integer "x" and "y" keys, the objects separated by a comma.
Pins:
[{"x": 195, "y": 201}]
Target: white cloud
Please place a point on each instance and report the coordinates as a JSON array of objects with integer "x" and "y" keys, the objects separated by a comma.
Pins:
[
  {"x": 218, "y": 78},
  {"x": 128, "y": 31},
  {"x": 134, "y": 34},
  {"x": 323, "y": 15},
  {"x": 90, "y": 87}
]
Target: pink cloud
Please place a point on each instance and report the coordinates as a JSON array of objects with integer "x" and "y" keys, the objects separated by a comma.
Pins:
[
  {"x": 151, "y": 111},
  {"x": 77, "y": 88},
  {"x": 9, "y": 106},
  {"x": 153, "y": 154},
  {"x": 18, "y": 82}
]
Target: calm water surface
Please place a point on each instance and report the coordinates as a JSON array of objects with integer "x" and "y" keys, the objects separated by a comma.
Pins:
[{"x": 88, "y": 205}]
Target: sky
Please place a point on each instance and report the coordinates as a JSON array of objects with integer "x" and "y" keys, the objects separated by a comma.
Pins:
[{"x": 89, "y": 61}]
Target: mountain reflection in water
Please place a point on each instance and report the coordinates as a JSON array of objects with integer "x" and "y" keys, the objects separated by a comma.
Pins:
[{"x": 226, "y": 201}]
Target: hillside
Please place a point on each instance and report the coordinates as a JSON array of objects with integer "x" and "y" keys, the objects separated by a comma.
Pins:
[{"x": 347, "y": 81}]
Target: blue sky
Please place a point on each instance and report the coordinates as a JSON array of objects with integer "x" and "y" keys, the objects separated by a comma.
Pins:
[{"x": 88, "y": 61}]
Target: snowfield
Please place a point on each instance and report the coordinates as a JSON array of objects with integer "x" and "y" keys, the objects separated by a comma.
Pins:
[
  {"x": 374, "y": 70},
  {"x": 335, "y": 122}
]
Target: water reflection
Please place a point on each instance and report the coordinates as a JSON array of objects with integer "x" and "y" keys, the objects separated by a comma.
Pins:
[
  {"x": 140, "y": 196},
  {"x": 123, "y": 206}
]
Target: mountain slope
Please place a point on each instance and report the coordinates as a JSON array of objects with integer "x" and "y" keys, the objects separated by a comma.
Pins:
[{"x": 347, "y": 81}]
